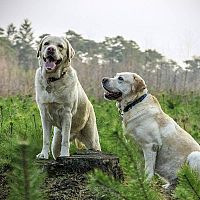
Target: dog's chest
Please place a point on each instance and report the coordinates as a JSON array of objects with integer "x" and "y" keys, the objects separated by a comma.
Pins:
[
  {"x": 54, "y": 112},
  {"x": 142, "y": 126},
  {"x": 60, "y": 94}
]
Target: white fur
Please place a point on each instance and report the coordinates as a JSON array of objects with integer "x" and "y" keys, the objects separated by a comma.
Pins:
[
  {"x": 166, "y": 146},
  {"x": 66, "y": 107},
  {"x": 194, "y": 160}
]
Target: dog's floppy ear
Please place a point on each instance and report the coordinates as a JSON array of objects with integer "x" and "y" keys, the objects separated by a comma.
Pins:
[
  {"x": 40, "y": 45},
  {"x": 138, "y": 84},
  {"x": 70, "y": 50}
]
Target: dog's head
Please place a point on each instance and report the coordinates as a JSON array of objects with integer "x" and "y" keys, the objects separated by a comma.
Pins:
[
  {"x": 122, "y": 85},
  {"x": 53, "y": 51}
]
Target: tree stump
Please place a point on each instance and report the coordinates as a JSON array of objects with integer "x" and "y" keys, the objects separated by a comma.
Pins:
[
  {"x": 67, "y": 175},
  {"x": 4, "y": 188}
]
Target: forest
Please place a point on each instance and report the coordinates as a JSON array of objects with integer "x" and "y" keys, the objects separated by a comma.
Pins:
[
  {"x": 99, "y": 59},
  {"x": 175, "y": 85}
]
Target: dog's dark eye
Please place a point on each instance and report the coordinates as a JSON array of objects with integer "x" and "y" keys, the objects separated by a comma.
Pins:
[
  {"x": 120, "y": 78},
  {"x": 46, "y": 43},
  {"x": 60, "y": 46}
]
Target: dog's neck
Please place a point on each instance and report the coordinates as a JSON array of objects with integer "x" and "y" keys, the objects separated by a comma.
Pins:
[{"x": 129, "y": 99}]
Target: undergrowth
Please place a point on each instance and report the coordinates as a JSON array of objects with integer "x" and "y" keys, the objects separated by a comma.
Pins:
[{"x": 20, "y": 121}]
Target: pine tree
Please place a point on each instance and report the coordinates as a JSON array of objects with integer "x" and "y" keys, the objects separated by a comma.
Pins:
[
  {"x": 188, "y": 187},
  {"x": 25, "y": 179},
  {"x": 11, "y": 32},
  {"x": 24, "y": 45},
  {"x": 25, "y": 34},
  {"x": 2, "y": 32}
]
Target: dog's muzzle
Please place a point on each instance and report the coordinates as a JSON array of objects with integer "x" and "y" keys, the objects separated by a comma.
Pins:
[
  {"x": 111, "y": 95},
  {"x": 50, "y": 59}
]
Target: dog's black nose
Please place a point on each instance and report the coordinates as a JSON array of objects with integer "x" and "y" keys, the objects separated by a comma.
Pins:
[
  {"x": 50, "y": 50},
  {"x": 104, "y": 80}
]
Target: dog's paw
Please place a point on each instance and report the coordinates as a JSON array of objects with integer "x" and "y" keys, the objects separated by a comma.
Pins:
[
  {"x": 169, "y": 187},
  {"x": 166, "y": 186},
  {"x": 42, "y": 155},
  {"x": 64, "y": 155},
  {"x": 64, "y": 151}
]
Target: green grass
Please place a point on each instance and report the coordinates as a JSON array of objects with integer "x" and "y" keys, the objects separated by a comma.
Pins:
[{"x": 20, "y": 120}]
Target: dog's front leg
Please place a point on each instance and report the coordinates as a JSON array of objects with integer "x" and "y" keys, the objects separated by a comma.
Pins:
[
  {"x": 150, "y": 152},
  {"x": 46, "y": 126},
  {"x": 66, "y": 128}
]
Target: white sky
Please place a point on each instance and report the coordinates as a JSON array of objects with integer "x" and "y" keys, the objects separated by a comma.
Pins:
[{"x": 172, "y": 27}]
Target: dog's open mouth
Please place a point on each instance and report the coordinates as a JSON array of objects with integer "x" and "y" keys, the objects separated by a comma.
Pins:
[
  {"x": 111, "y": 95},
  {"x": 51, "y": 62}
]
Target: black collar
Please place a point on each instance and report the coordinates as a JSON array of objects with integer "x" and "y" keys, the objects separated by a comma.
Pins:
[
  {"x": 53, "y": 79},
  {"x": 130, "y": 105}
]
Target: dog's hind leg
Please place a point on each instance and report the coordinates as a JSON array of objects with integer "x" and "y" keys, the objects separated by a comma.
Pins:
[
  {"x": 89, "y": 134},
  {"x": 193, "y": 160},
  {"x": 56, "y": 143}
]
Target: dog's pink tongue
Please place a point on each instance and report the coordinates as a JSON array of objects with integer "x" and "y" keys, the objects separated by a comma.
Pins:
[{"x": 50, "y": 65}]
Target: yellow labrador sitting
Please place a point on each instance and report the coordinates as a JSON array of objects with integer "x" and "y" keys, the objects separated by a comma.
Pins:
[
  {"x": 166, "y": 146},
  {"x": 62, "y": 101}
]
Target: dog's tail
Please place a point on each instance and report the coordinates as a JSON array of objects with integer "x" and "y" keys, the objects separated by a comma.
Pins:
[
  {"x": 79, "y": 144},
  {"x": 193, "y": 160}
]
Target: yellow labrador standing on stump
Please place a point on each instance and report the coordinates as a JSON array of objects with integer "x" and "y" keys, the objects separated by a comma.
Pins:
[
  {"x": 166, "y": 146},
  {"x": 62, "y": 101}
]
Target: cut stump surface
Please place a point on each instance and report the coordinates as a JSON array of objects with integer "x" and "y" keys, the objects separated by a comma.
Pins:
[{"x": 67, "y": 175}]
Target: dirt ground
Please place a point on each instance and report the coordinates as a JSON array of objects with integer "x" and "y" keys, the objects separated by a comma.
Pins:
[{"x": 3, "y": 182}]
